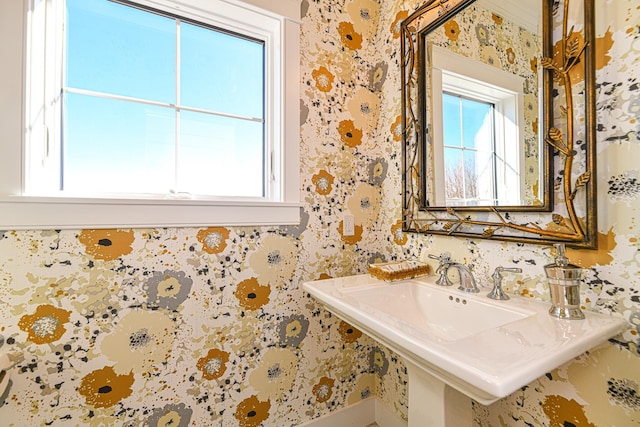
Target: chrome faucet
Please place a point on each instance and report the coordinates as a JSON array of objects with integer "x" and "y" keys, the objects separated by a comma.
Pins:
[
  {"x": 443, "y": 269},
  {"x": 467, "y": 281},
  {"x": 497, "y": 292}
]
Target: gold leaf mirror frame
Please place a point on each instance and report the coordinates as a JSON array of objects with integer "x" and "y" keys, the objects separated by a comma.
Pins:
[{"x": 567, "y": 212}]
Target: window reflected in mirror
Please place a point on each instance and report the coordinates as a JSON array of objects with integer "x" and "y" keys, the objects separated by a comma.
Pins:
[{"x": 505, "y": 167}]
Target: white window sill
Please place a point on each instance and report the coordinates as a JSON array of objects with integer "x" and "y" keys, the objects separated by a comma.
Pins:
[{"x": 33, "y": 213}]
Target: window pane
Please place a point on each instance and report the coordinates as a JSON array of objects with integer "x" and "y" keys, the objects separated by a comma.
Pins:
[
  {"x": 454, "y": 174},
  {"x": 117, "y": 146},
  {"x": 480, "y": 182},
  {"x": 220, "y": 156},
  {"x": 478, "y": 124},
  {"x": 221, "y": 72},
  {"x": 451, "y": 120},
  {"x": 120, "y": 50}
]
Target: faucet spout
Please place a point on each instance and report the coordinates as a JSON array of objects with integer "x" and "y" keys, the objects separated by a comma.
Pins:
[{"x": 467, "y": 281}]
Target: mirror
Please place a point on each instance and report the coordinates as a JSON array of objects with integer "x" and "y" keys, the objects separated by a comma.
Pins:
[
  {"x": 498, "y": 116},
  {"x": 481, "y": 106}
]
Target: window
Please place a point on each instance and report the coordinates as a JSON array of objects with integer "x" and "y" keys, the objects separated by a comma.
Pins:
[
  {"x": 152, "y": 113},
  {"x": 477, "y": 115},
  {"x": 469, "y": 149}
]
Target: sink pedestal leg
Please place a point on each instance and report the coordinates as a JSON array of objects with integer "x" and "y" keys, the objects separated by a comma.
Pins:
[{"x": 434, "y": 404}]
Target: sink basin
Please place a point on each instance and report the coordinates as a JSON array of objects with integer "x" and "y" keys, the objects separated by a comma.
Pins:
[
  {"x": 437, "y": 313},
  {"x": 484, "y": 349}
]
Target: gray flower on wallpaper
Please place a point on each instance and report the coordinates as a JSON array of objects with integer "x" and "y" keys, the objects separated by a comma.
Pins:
[
  {"x": 482, "y": 33},
  {"x": 304, "y": 112},
  {"x": 378, "y": 171},
  {"x": 377, "y": 257},
  {"x": 167, "y": 289},
  {"x": 296, "y": 230},
  {"x": 171, "y": 415},
  {"x": 378, "y": 362},
  {"x": 625, "y": 186},
  {"x": 292, "y": 330},
  {"x": 634, "y": 105},
  {"x": 377, "y": 76}
]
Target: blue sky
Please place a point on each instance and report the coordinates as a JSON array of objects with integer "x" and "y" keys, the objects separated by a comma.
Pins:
[{"x": 131, "y": 147}]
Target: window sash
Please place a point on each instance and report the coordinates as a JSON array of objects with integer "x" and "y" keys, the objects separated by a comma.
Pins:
[{"x": 84, "y": 174}]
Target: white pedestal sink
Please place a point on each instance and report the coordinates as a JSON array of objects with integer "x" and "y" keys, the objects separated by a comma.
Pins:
[{"x": 458, "y": 346}]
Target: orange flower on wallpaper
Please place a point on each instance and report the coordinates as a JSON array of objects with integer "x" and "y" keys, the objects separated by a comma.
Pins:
[
  {"x": 452, "y": 29},
  {"x": 323, "y": 181},
  {"x": 324, "y": 389},
  {"x": 104, "y": 388},
  {"x": 349, "y": 134},
  {"x": 511, "y": 55},
  {"x": 213, "y": 239},
  {"x": 562, "y": 411},
  {"x": 348, "y": 333},
  {"x": 396, "y": 129},
  {"x": 533, "y": 63},
  {"x": 397, "y": 23},
  {"x": 576, "y": 73},
  {"x": 251, "y": 412},
  {"x": 213, "y": 364},
  {"x": 107, "y": 244},
  {"x": 349, "y": 37},
  {"x": 602, "y": 51},
  {"x": 399, "y": 236},
  {"x": 323, "y": 78},
  {"x": 351, "y": 240},
  {"x": 45, "y": 325},
  {"x": 251, "y": 295}
]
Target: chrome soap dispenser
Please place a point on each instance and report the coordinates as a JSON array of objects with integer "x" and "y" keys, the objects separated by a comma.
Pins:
[{"x": 564, "y": 286}]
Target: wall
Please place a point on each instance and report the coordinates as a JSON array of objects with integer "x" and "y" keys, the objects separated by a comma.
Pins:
[{"x": 209, "y": 326}]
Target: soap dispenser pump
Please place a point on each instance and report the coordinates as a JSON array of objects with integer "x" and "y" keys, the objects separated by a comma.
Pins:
[{"x": 564, "y": 285}]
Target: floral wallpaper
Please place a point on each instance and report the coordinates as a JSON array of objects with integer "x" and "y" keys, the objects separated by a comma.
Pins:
[{"x": 209, "y": 326}]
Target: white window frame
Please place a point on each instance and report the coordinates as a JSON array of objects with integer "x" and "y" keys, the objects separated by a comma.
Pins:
[
  {"x": 457, "y": 74},
  {"x": 21, "y": 210}
]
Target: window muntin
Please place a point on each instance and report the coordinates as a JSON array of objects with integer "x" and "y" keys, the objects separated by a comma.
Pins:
[{"x": 176, "y": 108}]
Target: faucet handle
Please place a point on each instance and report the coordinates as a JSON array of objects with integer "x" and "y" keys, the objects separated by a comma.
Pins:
[
  {"x": 443, "y": 268},
  {"x": 497, "y": 292},
  {"x": 444, "y": 257}
]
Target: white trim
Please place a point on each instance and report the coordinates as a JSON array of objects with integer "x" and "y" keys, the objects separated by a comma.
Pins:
[
  {"x": 12, "y": 77},
  {"x": 360, "y": 414},
  {"x": 21, "y": 213},
  {"x": 387, "y": 418}
]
